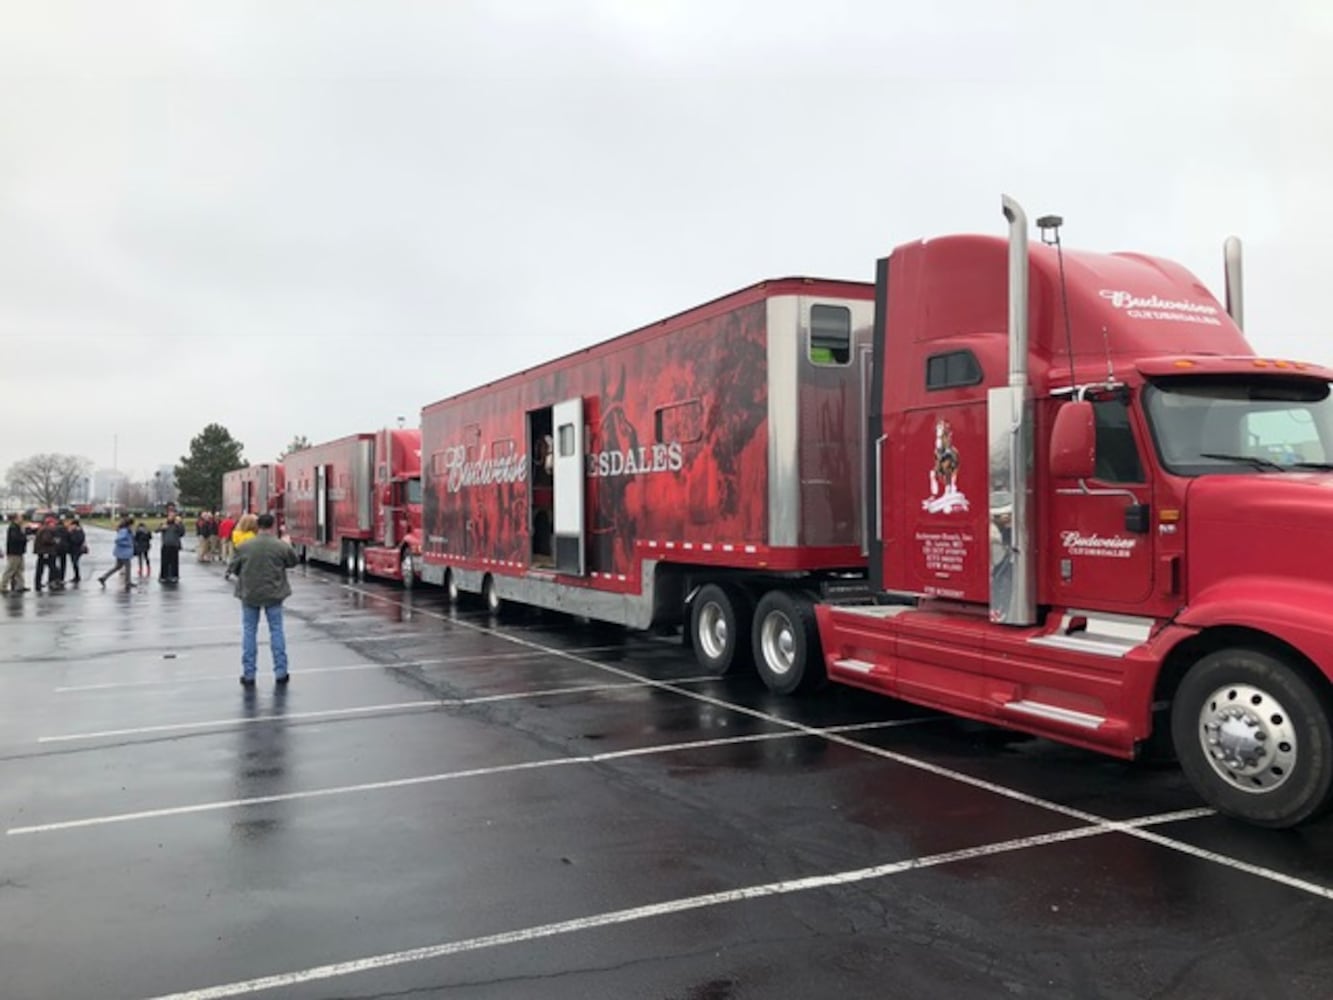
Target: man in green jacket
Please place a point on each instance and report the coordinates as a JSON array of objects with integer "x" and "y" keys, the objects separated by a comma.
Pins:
[{"x": 260, "y": 567}]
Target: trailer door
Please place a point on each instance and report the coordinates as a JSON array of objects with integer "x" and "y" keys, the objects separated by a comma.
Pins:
[
  {"x": 568, "y": 486},
  {"x": 321, "y": 504}
]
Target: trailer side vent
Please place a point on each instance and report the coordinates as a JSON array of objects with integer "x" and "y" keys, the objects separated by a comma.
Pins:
[
  {"x": 951, "y": 370},
  {"x": 830, "y": 335}
]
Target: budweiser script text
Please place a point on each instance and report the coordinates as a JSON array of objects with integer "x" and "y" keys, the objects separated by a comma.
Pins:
[{"x": 484, "y": 470}]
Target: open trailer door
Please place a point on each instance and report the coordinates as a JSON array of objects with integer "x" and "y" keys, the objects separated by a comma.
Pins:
[{"x": 568, "y": 486}]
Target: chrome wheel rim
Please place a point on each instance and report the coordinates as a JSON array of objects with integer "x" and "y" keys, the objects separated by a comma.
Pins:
[
  {"x": 777, "y": 639},
  {"x": 1248, "y": 738},
  {"x": 713, "y": 631}
]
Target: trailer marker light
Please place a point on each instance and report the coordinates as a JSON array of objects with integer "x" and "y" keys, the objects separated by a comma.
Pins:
[
  {"x": 1169, "y": 515},
  {"x": 1260, "y": 364},
  {"x": 1182, "y": 363},
  {"x": 1281, "y": 364}
]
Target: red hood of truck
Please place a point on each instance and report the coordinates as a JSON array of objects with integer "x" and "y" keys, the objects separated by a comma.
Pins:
[{"x": 1275, "y": 525}]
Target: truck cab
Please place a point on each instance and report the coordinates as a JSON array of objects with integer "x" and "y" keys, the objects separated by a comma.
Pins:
[{"x": 1099, "y": 517}]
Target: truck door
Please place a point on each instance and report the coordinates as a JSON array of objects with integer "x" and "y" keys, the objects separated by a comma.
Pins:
[
  {"x": 568, "y": 486},
  {"x": 1097, "y": 555}
]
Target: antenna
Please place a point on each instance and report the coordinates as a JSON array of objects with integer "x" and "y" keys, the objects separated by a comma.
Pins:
[{"x": 1051, "y": 224}]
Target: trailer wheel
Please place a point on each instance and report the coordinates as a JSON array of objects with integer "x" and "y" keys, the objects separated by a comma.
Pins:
[
  {"x": 407, "y": 565},
  {"x": 786, "y": 643},
  {"x": 494, "y": 602},
  {"x": 359, "y": 559},
  {"x": 345, "y": 563},
  {"x": 451, "y": 591},
  {"x": 720, "y": 628},
  {"x": 1254, "y": 738}
]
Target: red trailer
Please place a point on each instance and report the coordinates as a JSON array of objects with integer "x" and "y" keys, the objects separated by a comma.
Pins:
[
  {"x": 256, "y": 489},
  {"x": 676, "y": 474},
  {"x": 356, "y": 503}
]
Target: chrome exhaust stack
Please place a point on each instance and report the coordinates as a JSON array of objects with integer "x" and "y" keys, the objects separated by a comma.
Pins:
[
  {"x": 1235, "y": 290},
  {"x": 1013, "y": 598}
]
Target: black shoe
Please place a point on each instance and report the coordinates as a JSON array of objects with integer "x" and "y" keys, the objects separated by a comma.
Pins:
[
  {"x": 247, "y": 682},
  {"x": 282, "y": 679}
]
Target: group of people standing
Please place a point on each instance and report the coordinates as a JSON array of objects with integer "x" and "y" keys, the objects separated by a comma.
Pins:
[
  {"x": 257, "y": 558},
  {"x": 136, "y": 542},
  {"x": 58, "y": 543}
]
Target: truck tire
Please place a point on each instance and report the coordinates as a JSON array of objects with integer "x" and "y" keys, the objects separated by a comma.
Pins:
[
  {"x": 494, "y": 602},
  {"x": 407, "y": 566},
  {"x": 787, "y": 652},
  {"x": 720, "y": 628},
  {"x": 451, "y": 592},
  {"x": 1254, "y": 738}
]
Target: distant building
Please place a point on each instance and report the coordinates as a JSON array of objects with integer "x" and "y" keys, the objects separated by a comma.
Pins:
[{"x": 108, "y": 487}]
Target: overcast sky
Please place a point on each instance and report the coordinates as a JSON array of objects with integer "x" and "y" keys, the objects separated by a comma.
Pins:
[{"x": 315, "y": 217}]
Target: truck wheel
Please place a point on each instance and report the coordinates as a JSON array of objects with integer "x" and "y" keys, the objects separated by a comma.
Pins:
[
  {"x": 359, "y": 559},
  {"x": 407, "y": 566},
  {"x": 1254, "y": 738},
  {"x": 720, "y": 628},
  {"x": 786, "y": 643},
  {"x": 451, "y": 592},
  {"x": 494, "y": 603}
]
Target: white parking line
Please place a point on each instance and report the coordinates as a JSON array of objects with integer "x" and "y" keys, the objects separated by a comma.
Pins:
[
  {"x": 654, "y": 910},
  {"x": 429, "y": 779},
  {"x": 369, "y": 665},
  {"x": 333, "y": 713},
  {"x": 921, "y": 765}
]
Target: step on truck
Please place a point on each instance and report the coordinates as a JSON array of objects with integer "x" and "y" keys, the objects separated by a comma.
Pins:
[
  {"x": 1098, "y": 516},
  {"x": 703, "y": 471},
  {"x": 355, "y": 503}
]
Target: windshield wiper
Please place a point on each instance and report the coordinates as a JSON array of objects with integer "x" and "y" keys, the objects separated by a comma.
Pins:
[
  {"x": 1254, "y": 460},
  {"x": 1312, "y": 465}
]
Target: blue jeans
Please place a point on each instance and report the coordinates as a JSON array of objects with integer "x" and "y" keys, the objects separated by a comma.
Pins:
[{"x": 250, "y": 638}]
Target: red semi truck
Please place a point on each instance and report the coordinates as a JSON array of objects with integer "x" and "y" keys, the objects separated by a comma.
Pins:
[
  {"x": 1099, "y": 517},
  {"x": 356, "y": 503},
  {"x": 1087, "y": 509},
  {"x": 256, "y": 489},
  {"x": 680, "y": 473}
]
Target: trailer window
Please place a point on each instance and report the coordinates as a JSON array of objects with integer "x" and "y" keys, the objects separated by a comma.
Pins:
[
  {"x": 680, "y": 422},
  {"x": 951, "y": 370},
  {"x": 566, "y": 440},
  {"x": 830, "y": 335}
]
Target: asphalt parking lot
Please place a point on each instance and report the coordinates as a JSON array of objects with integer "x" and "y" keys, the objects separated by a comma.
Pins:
[{"x": 442, "y": 804}]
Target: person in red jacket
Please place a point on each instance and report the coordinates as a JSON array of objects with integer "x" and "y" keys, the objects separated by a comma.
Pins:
[{"x": 225, "y": 528}]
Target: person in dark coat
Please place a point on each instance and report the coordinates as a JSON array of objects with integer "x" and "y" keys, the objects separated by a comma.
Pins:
[
  {"x": 78, "y": 546},
  {"x": 16, "y": 547},
  {"x": 143, "y": 545},
  {"x": 44, "y": 548},
  {"x": 260, "y": 567},
  {"x": 61, "y": 556},
  {"x": 172, "y": 530}
]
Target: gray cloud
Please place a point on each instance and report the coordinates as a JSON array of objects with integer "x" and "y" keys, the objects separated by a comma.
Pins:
[{"x": 316, "y": 217}]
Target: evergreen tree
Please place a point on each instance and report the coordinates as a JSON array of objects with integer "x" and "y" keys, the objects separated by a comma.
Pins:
[{"x": 213, "y": 452}]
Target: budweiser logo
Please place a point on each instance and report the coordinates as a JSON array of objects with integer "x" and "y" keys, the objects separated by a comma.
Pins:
[
  {"x": 1153, "y": 307},
  {"x": 482, "y": 471},
  {"x": 1109, "y": 546}
]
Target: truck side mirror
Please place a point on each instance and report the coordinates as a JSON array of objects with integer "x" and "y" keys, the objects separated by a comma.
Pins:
[{"x": 1074, "y": 442}]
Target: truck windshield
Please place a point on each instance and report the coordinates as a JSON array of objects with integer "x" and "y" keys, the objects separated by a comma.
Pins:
[{"x": 1210, "y": 424}]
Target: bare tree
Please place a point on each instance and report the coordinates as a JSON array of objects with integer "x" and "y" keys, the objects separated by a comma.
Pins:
[
  {"x": 47, "y": 479},
  {"x": 299, "y": 443}
]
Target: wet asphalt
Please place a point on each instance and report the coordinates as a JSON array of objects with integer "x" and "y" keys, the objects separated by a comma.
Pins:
[{"x": 443, "y": 804}]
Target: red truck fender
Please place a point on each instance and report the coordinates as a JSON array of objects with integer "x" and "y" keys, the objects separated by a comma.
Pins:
[{"x": 1299, "y": 613}]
